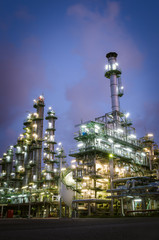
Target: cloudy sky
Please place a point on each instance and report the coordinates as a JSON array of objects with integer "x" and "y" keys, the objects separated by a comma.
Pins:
[{"x": 58, "y": 47}]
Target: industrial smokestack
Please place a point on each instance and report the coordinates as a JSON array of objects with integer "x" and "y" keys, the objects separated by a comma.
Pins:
[{"x": 113, "y": 73}]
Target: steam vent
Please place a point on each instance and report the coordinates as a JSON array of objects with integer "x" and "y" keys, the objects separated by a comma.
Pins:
[{"x": 112, "y": 172}]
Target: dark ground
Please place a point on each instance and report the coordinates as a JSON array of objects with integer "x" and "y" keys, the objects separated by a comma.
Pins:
[{"x": 75, "y": 229}]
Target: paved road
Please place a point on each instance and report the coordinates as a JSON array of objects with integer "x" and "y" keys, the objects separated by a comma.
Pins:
[{"x": 80, "y": 229}]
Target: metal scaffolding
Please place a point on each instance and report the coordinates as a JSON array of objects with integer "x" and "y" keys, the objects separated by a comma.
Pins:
[
  {"x": 108, "y": 151},
  {"x": 29, "y": 183}
]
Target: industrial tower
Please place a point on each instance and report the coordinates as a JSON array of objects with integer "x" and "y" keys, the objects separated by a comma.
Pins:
[
  {"x": 108, "y": 156},
  {"x": 112, "y": 171},
  {"x": 31, "y": 170}
]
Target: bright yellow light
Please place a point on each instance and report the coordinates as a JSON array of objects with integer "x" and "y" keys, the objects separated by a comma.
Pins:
[
  {"x": 73, "y": 166},
  {"x": 98, "y": 165},
  {"x": 150, "y": 134},
  {"x": 86, "y": 178},
  {"x": 105, "y": 179},
  {"x": 111, "y": 155},
  {"x": 84, "y": 190},
  {"x": 63, "y": 169},
  {"x": 74, "y": 160}
]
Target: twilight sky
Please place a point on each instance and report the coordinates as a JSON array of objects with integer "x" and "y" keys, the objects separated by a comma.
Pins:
[{"x": 58, "y": 47}]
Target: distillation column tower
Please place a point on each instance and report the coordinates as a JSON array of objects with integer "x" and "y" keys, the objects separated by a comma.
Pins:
[
  {"x": 38, "y": 136},
  {"x": 49, "y": 150},
  {"x": 7, "y": 165}
]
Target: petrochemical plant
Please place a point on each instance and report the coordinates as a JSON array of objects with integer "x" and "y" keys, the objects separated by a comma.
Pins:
[{"x": 112, "y": 173}]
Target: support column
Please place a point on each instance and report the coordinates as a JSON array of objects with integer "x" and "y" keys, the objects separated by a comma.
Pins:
[
  {"x": 89, "y": 209},
  {"x": 76, "y": 210},
  {"x": 155, "y": 204},
  {"x": 60, "y": 215},
  {"x": 1, "y": 211},
  {"x": 111, "y": 167},
  {"x": 122, "y": 208},
  {"x": 29, "y": 209},
  {"x": 143, "y": 203}
]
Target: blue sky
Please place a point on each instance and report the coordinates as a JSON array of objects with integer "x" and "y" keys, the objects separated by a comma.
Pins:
[{"x": 58, "y": 48}]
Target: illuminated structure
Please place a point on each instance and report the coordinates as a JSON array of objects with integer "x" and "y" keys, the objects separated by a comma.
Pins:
[
  {"x": 25, "y": 183},
  {"x": 110, "y": 159},
  {"x": 112, "y": 173}
]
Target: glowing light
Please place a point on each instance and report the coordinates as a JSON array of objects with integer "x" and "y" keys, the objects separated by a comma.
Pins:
[
  {"x": 80, "y": 145},
  {"x": 73, "y": 161},
  {"x": 137, "y": 200},
  {"x": 127, "y": 115},
  {"x": 96, "y": 126},
  {"x": 18, "y": 149},
  {"x": 63, "y": 169},
  {"x": 150, "y": 134},
  {"x": 36, "y": 114},
  {"x": 111, "y": 155},
  {"x": 59, "y": 143},
  {"x": 41, "y": 97},
  {"x": 98, "y": 166},
  {"x": 119, "y": 130},
  {"x": 114, "y": 66},
  {"x": 122, "y": 87},
  {"x": 106, "y": 180},
  {"x": 106, "y": 67},
  {"x": 86, "y": 178},
  {"x": 35, "y": 136},
  {"x": 20, "y": 168},
  {"x": 51, "y": 138},
  {"x": 84, "y": 190},
  {"x": 110, "y": 140},
  {"x": 117, "y": 145},
  {"x": 132, "y": 136},
  {"x": 73, "y": 166},
  {"x": 29, "y": 116},
  {"x": 128, "y": 149}
]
